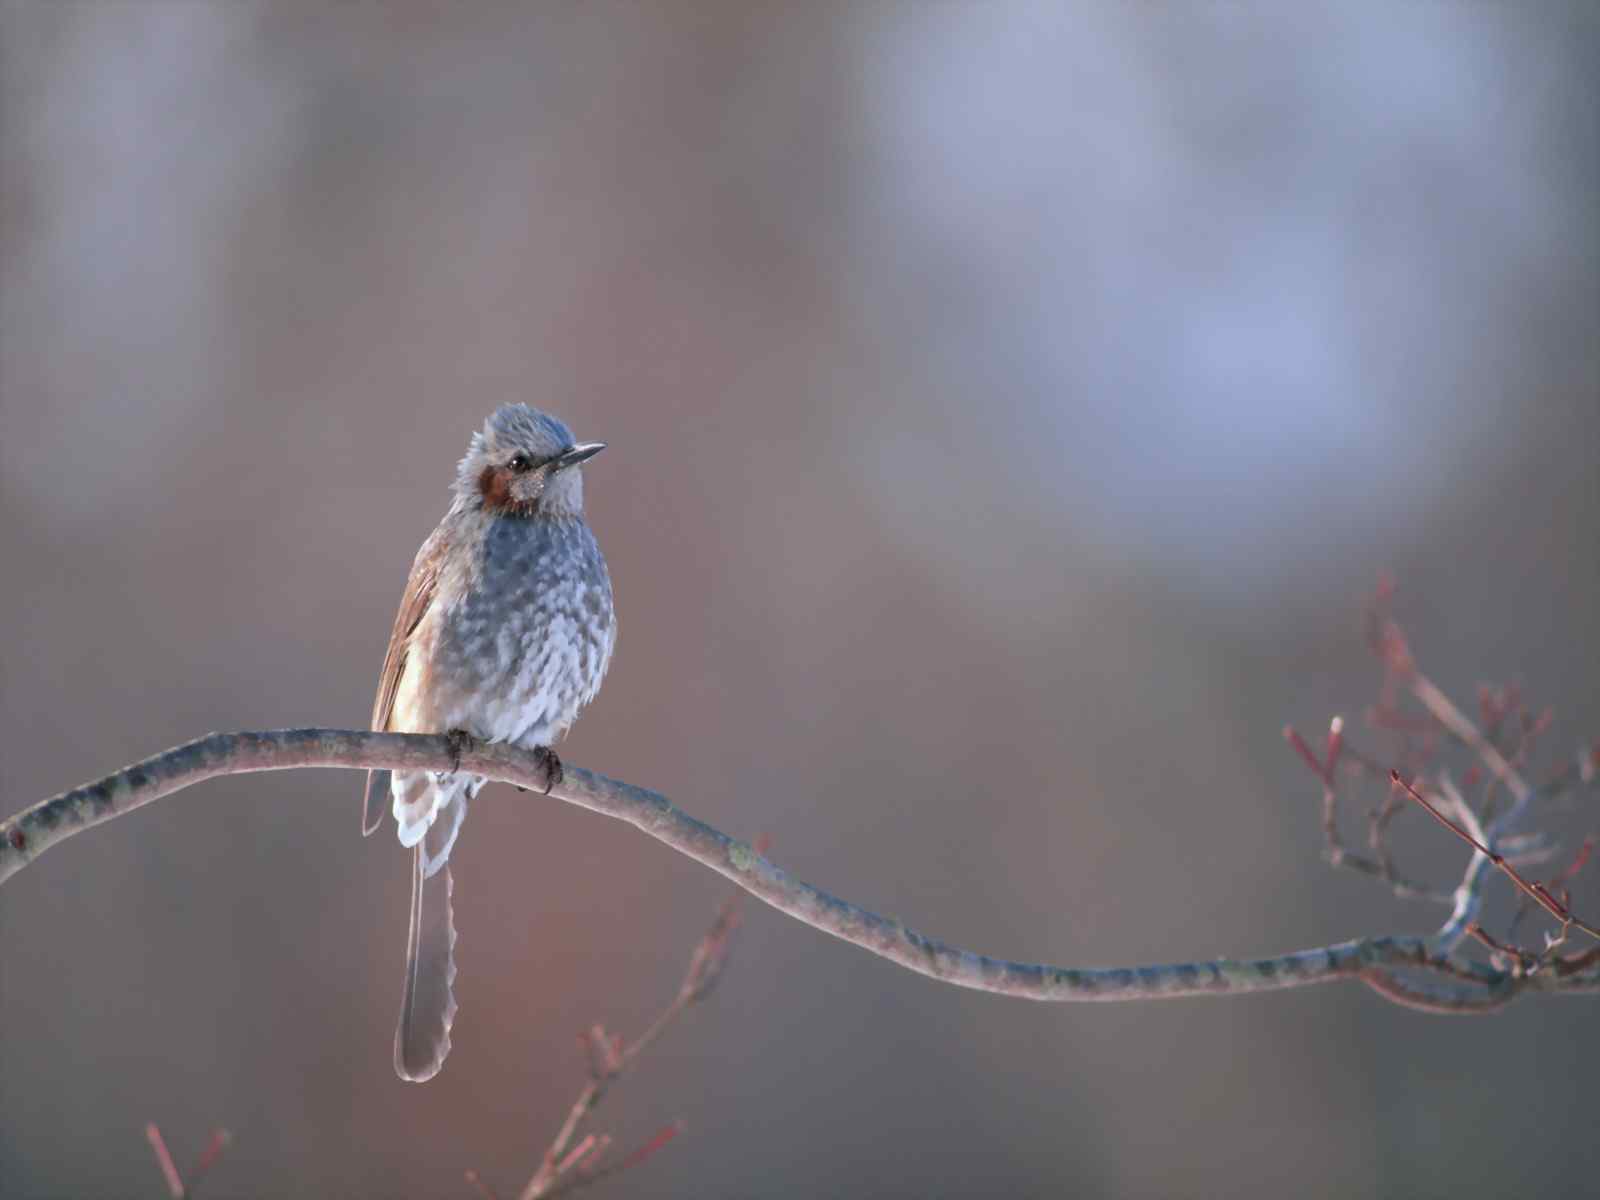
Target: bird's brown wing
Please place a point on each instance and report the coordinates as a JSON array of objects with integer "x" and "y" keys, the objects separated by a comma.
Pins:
[{"x": 414, "y": 605}]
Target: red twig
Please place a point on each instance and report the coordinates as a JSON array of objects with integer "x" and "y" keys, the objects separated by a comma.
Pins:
[
  {"x": 1325, "y": 768},
  {"x": 220, "y": 1139},
  {"x": 663, "y": 1135},
  {"x": 571, "y": 1162},
  {"x": 169, "y": 1169},
  {"x": 590, "y": 1147},
  {"x": 1320, "y": 769},
  {"x": 1578, "y": 862},
  {"x": 208, "y": 1157}
]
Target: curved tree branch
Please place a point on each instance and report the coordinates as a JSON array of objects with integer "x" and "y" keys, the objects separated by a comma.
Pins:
[{"x": 1454, "y": 985}]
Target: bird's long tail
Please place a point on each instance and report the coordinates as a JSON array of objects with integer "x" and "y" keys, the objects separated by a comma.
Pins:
[{"x": 428, "y": 1006}]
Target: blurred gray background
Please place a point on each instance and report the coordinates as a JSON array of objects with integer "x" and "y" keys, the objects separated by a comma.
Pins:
[{"x": 1010, "y": 407}]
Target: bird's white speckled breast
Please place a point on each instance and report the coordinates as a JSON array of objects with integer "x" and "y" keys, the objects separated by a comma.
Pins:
[{"x": 520, "y": 633}]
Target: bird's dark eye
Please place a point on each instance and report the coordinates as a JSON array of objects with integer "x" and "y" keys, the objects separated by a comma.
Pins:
[{"x": 520, "y": 463}]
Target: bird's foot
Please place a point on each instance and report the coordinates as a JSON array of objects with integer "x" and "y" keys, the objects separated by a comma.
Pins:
[
  {"x": 553, "y": 772},
  {"x": 459, "y": 741}
]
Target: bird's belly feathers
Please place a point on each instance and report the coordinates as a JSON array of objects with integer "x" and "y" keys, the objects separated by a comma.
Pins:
[{"x": 522, "y": 645}]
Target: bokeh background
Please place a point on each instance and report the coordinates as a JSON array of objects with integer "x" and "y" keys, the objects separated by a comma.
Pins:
[{"x": 1010, "y": 407}]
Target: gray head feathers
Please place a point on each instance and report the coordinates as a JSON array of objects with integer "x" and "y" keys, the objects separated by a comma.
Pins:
[{"x": 518, "y": 433}]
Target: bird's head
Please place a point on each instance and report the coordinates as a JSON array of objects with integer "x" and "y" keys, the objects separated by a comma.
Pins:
[{"x": 524, "y": 464}]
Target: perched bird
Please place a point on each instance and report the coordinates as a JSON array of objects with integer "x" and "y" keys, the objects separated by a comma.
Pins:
[{"x": 504, "y": 632}]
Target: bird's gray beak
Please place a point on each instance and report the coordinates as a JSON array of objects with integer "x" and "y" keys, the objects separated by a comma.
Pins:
[{"x": 574, "y": 455}]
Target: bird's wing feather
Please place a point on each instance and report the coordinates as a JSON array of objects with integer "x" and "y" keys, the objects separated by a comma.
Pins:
[{"x": 414, "y": 605}]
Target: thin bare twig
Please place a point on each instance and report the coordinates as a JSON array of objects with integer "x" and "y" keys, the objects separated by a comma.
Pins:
[
  {"x": 220, "y": 1140},
  {"x": 1536, "y": 892},
  {"x": 1453, "y": 719},
  {"x": 176, "y": 1186},
  {"x": 169, "y": 1169},
  {"x": 1381, "y": 864},
  {"x": 1562, "y": 880}
]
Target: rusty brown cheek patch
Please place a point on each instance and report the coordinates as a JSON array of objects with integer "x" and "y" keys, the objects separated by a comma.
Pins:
[{"x": 495, "y": 484}]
